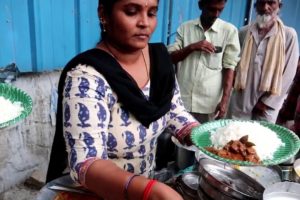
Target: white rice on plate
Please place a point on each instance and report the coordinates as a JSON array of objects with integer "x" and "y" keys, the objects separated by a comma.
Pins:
[
  {"x": 9, "y": 110},
  {"x": 266, "y": 141}
]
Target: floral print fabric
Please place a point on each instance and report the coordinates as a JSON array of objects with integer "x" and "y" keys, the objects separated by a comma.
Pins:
[{"x": 97, "y": 126}]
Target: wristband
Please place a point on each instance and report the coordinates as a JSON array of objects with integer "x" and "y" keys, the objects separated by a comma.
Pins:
[
  {"x": 127, "y": 183},
  {"x": 148, "y": 188}
]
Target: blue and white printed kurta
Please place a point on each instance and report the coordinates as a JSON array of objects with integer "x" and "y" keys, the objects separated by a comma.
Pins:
[{"x": 96, "y": 125}]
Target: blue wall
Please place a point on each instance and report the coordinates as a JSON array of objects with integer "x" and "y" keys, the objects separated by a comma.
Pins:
[{"x": 40, "y": 35}]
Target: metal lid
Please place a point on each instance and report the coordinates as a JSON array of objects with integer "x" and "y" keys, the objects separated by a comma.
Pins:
[{"x": 229, "y": 180}]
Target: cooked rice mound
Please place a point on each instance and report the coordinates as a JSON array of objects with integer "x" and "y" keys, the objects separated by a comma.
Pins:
[
  {"x": 9, "y": 110},
  {"x": 266, "y": 141}
]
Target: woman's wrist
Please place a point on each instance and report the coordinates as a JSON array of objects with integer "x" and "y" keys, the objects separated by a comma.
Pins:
[
  {"x": 148, "y": 189},
  {"x": 127, "y": 184},
  {"x": 184, "y": 134}
]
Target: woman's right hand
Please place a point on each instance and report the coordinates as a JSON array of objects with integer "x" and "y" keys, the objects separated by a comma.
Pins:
[{"x": 161, "y": 191}]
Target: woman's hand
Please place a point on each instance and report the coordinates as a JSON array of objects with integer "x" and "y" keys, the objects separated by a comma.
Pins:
[{"x": 161, "y": 191}]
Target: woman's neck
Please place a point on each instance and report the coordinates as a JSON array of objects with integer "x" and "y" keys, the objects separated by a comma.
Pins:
[
  {"x": 123, "y": 56},
  {"x": 135, "y": 63}
]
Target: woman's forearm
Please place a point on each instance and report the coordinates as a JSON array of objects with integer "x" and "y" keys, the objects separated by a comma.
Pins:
[{"x": 108, "y": 181}]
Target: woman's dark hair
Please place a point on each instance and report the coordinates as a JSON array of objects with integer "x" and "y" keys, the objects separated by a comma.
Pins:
[
  {"x": 107, "y": 4},
  {"x": 107, "y": 8}
]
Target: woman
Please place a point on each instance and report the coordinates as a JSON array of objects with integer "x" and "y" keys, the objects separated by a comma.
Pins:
[{"x": 116, "y": 100}]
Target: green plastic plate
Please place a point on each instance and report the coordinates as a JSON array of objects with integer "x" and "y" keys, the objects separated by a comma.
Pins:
[
  {"x": 15, "y": 94},
  {"x": 201, "y": 139}
]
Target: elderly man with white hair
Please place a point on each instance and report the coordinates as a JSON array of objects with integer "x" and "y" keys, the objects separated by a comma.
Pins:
[{"x": 267, "y": 67}]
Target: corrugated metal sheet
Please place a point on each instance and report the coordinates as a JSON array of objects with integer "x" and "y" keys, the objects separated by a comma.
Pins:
[
  {"x": 40, "y": 35},
  {"x": 290, "y": 14},
  {"x": 43, "y": 35}
]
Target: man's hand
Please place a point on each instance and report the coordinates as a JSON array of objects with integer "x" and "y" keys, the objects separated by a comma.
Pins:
[
  {"x": 260, "y": 109},
  {"x": 221, "y": 110},
  {"x": 203, "y": 45},
  {"x": 281, "y": 121}
]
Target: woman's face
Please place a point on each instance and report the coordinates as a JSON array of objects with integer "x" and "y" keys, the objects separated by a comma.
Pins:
[{"x": 131, "y": 23}]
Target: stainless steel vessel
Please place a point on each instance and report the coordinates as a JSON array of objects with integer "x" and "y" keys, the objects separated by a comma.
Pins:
[
  {"x": 223, "y": 182},
  {"x": 187, "y": 184}
]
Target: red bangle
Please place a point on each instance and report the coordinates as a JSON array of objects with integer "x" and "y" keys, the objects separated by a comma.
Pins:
[{"x": 147, "y": 189}]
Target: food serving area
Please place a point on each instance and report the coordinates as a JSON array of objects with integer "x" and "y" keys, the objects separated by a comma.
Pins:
[
  {"x": 28, "y": 124},
  {"x": 210, "y": 177}
]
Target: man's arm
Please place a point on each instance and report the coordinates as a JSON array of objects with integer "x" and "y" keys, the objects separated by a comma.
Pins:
[
  {"x": 227, "y": 75},
  {"x": 181, "y": 54},
  {"x": 230, "y": 61},
  {"x": 292, "y": 56}
]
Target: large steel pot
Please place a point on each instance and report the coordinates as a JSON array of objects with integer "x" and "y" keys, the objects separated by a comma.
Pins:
[
  {"x": 212, "y": 192},
  {"x": 221, "y": 181}
]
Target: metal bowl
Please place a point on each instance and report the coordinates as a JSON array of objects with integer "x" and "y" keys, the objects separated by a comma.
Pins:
[
  {"x": 282, "y": 190},
  {"x": 228, "y": 181},
  {"x": 188, "y": 184},
  {"x": 265, "y": 175}
]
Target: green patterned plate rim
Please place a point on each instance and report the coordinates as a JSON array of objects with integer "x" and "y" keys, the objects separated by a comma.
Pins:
[
  {"x": 15, "y": 94},
  {"x": 201, "y": 138}
]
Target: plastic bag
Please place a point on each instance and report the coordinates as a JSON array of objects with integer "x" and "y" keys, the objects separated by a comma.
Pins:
[{"x": 9, "y": 73}]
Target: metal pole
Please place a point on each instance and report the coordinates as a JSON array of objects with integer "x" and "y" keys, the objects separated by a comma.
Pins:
[{"x": 249, "y": 11}]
